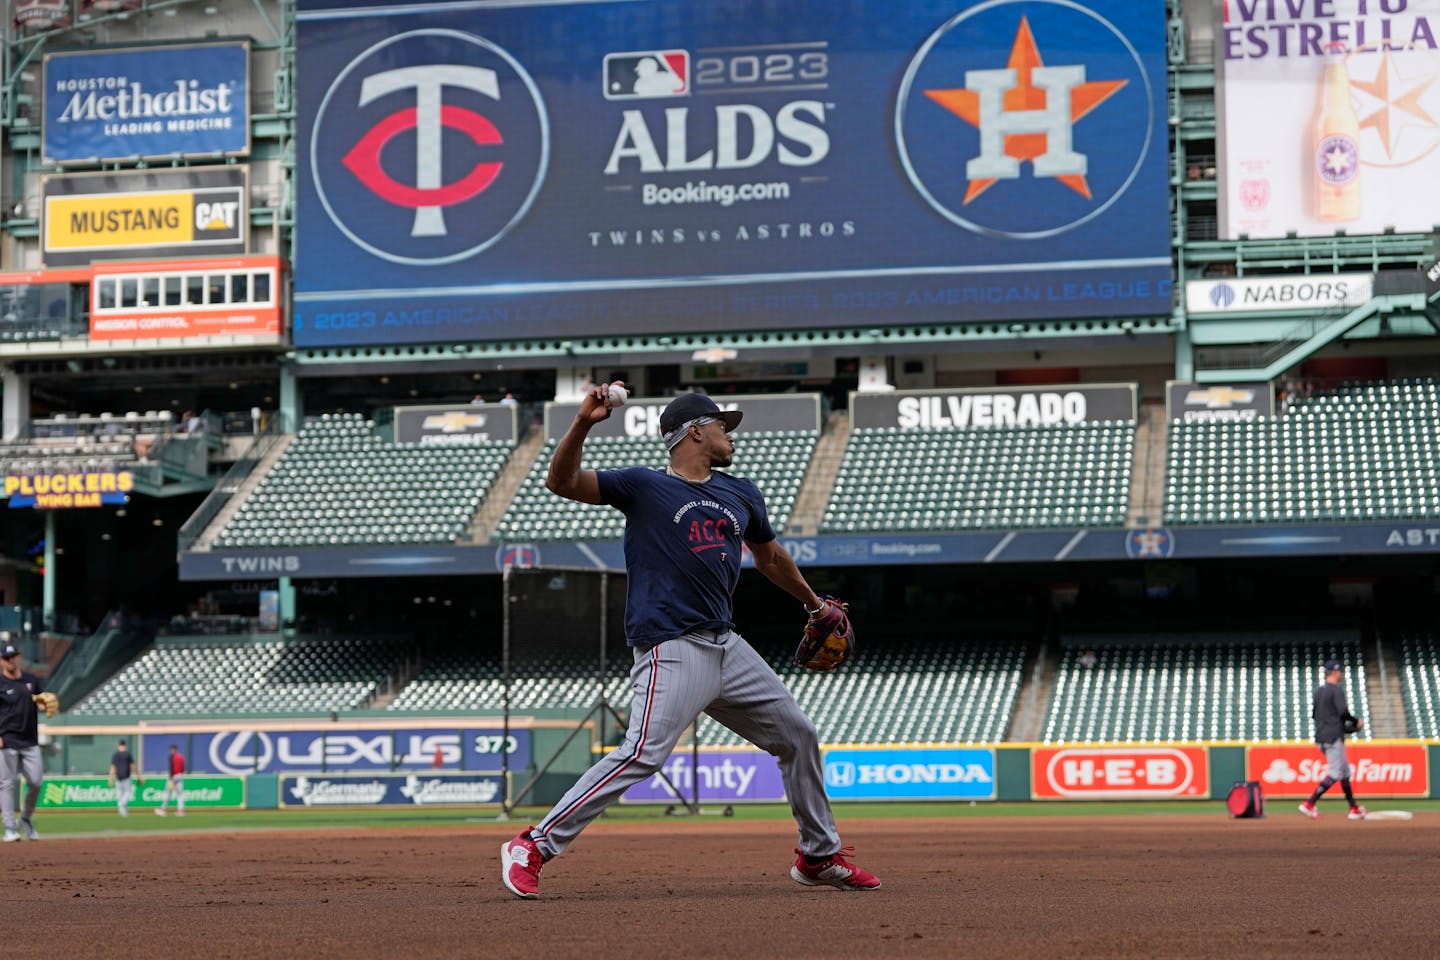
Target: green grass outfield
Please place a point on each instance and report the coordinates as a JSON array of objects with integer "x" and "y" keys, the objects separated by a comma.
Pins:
[{"x": 107, "y": 822}]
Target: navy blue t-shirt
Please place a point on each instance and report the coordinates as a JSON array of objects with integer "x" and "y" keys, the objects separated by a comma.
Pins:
[
  {"x": 682, "y": 548},
  {"x": 18, "y": 713},
  {"x": 122, "y": 761}
]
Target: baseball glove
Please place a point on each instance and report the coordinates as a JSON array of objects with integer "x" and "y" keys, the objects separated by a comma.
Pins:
[
  {"x": 48, "y": 702},
  {"x": 1350, "y": 724},
  {"x": 828, "y": 639}
]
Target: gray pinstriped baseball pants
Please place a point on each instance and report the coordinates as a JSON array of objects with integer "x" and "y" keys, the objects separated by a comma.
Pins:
[
  {"x": 16, "y": 762},
  {"x": 673, "y": 682}
]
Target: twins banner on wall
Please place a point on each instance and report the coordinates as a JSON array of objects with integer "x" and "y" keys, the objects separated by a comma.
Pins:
[
  {"x": 1329, "y": 116},
  {"x": 739, "y": 164}
]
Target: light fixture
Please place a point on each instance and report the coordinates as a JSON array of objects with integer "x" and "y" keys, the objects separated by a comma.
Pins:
[{"x": 157, "y": 522}]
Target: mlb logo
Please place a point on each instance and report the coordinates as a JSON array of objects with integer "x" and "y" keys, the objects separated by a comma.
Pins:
[
  {"x": 647, "y": 74},
  {"x": 1254, "y": 194}
]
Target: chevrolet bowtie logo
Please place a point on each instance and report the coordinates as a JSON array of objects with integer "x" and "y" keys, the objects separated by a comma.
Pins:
[
  {"x": 454, "y": 422},
  {"x": 1219, "y": 397}
]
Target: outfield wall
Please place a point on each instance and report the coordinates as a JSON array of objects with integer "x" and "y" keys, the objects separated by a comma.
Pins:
[{"x": 382, "y": 761}]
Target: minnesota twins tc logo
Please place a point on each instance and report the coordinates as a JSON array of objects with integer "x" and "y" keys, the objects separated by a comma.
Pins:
[
  {"x": 970, "y": 117},
  {"x": 429, "y": 147}
]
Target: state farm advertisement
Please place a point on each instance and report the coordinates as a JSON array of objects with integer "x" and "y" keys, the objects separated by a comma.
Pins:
[
  {"x": 1393, "y": 770},
  {"x": 1120, "y": 773}
]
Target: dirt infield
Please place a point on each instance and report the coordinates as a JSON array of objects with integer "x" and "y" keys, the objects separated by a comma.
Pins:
[{"x": 1163, "y": 886}]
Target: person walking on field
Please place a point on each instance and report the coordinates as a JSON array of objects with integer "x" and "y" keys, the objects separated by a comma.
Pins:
[
  {"x": 685, "y": 527},
  {"x": 174, "y": 784},
  {"x": 20, "y": 691},
  {"x": 1332, "y": 721},
  {"x": 122, "y": 768}
]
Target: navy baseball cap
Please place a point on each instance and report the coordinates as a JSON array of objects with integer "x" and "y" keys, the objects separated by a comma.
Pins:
[
  {"x": 693, "y": 406},
  {"x": 8, "y": 651},
  {"x": 1332, "y": 664}
]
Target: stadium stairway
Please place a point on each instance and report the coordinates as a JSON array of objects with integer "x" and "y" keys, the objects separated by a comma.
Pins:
[
  {"x": 242, "y": 492},
  {"x": 820, "y": 478},
  {"x": 506, "y": 485},
  {"x": 407, "y": 670},
  {"x": 1147, "y": 471},
  {"x": 1382, "y": 683},
  {"x": 1037, "y": 687}
]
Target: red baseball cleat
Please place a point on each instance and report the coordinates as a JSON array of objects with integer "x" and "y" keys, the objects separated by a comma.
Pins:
[
  {"x": 1309, "y": 810},
  {"x": 520, "y": 863},
  {"x": 1357, "y": 812},
  {"x": 836, "y": 871}
]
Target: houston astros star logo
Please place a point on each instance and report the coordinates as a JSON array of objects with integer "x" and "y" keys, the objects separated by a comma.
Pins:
[{"x": 1025, "y": 113}]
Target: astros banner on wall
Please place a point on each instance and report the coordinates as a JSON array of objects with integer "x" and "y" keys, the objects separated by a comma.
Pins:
[
  {"x": 102, "y": 216},
  {"x": 730, "y": 164},
  {"x": 1329, "y": 116}
]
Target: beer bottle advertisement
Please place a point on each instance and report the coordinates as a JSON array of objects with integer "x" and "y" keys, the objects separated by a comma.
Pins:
[{"x": 1327, "y": 117}]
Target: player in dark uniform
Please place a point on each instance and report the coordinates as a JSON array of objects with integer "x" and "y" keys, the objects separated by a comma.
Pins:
[
  {"x": 1330, "y": 713},
  {"x": 685, "y": 526},
  {"x": 19, "y": 745},
  {"x": 122, "y": 767}
]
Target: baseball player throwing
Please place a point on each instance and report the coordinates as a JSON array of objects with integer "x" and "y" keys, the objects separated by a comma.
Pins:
[
  {"x": 683, "y": 534},
  {"x": 1332, "y": 721},
  {"x": 21, "y": 697}
]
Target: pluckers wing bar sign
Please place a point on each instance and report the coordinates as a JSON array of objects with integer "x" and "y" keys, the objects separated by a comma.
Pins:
[{"x": 63, "y": 491}]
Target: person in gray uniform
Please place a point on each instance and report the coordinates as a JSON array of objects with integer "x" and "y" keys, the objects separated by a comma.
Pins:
[
  {"x": 1332, "y": 720},
  {"x": 19, "y": 745},
  {"x": 685, "y": 528}
]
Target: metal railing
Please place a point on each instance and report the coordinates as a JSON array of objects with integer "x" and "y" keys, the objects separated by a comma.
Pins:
[
  {"x": 228, "y": 485},
  {"x": 1260, "y": 356}
]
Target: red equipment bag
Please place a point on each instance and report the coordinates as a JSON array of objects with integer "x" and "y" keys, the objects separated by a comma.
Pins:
[{"x": 1246, "y": 799}]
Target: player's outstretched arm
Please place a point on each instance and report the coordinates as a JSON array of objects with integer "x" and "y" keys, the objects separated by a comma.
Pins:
[
  {"x": 774, "y": 561},
  {"x": 565, "y": 476}
]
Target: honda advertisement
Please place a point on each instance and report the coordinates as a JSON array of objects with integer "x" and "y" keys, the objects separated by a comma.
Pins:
[
  {"x": 898, "y": 774},
  {"x": 342, "y": 750},
  {"x": 1383, "y": 770},
  {"x": 1120, "y": 773},
  {"x": 734, "y": 164}
]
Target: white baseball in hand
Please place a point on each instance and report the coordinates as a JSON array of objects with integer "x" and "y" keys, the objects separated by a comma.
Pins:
[{"x": 617, "y": 395}]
